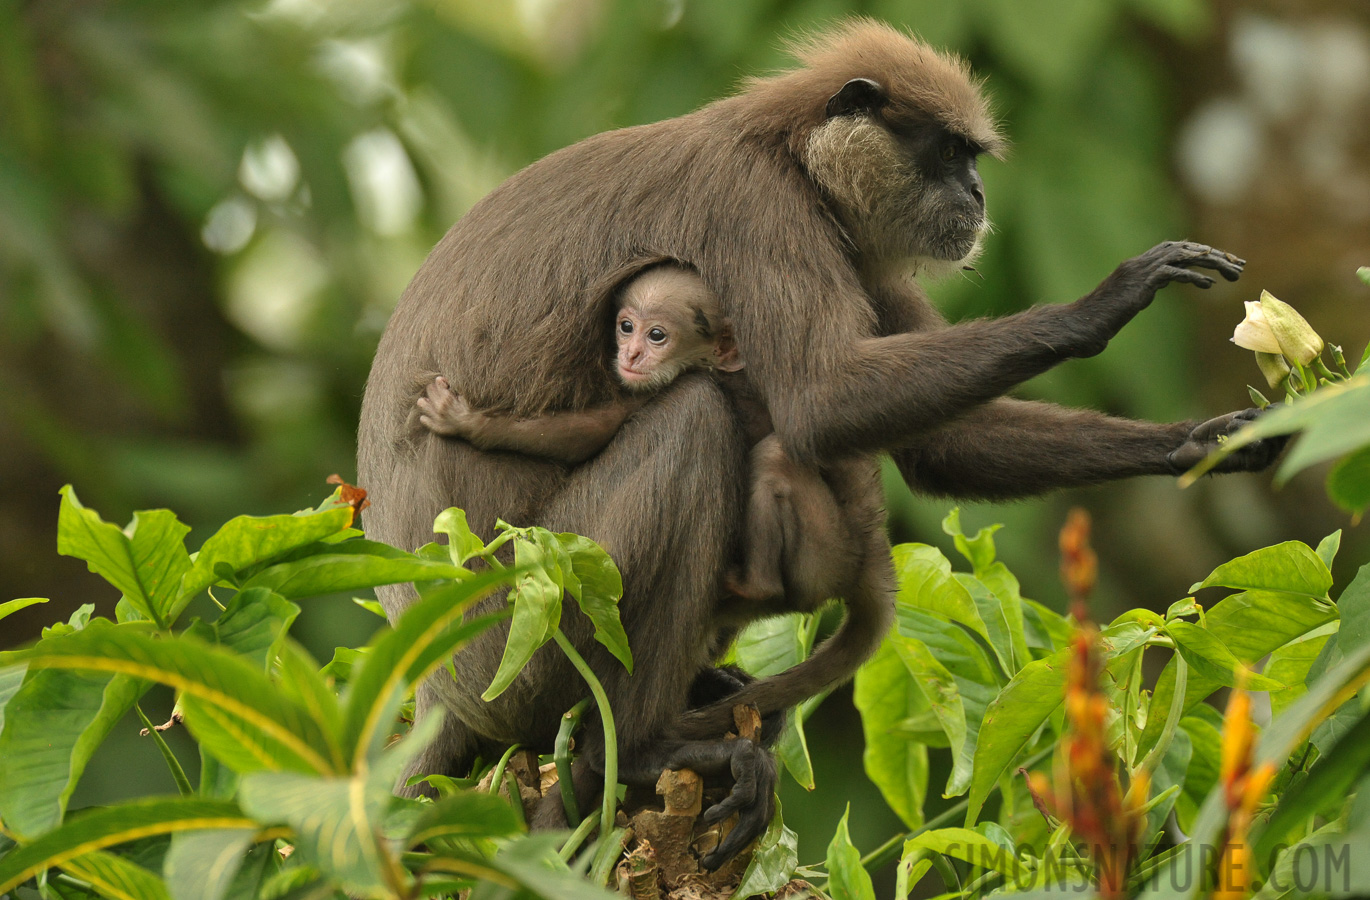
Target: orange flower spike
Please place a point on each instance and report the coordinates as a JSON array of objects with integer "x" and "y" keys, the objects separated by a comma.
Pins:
[
  {"x": 1238, "y": 737},
  {"x": 1079, "y": 565}
]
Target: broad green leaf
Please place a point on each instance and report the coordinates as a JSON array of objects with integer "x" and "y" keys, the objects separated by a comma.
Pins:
[
  {"x": 53, "y": 724},
  {"x": 1052, "y": 628},
  {"x": 793, "y": 746},
  {"x": 1291, "y": 566},
  {"x": 464, "y": 815},
  {"x": 978, "y": 550},
  {"x": 1290, "y": 664},
  {"x": 939, "y": 687},
  {"x": 1330, "y": 780},
  {"x": 350, "y": 566},
  {"x": 1005, "y": 588},
  {"x": 252, "y": 625},
  {"x": 1172, "y": 771},
  {"x": 1348, "y": 484},
  {"x": 968, "y": 846},
  {"x": 1010, "y": 721},
  {"x": 429, "y": 631},
  {"x": 114, "y": 876},
  {"x": 231, "y": 707},
  {"x": 537, "y": 612},
  {"x": 597, "y": 588},
  {"x": 337, "y": 821},
  {"x": 1328, "y": 547},
  {"x": 533, "y": 862},
  {"x": 1205, "y": 742},
  {"x": 463, "y": 544},
  {"x": 847, "y": 878},
  {"x": 772, "y": 645},
  {"x": 246, "y": 541},
  {"x": 200, "y": 865},
  {"x": 885, "y": 695},
  {"x": 11, "y": 679},
  {"x": 926, "y": 583},
  {"x": 96, "y": 829},
  {"x": 1209, "y": 656},
  {"x": 145, "y": 560},
  {"x": 302, "y": 683},
  {"x": 1251, "y": 624},
  {"x": 1005, "y": 636},
  {"x": 1354, "y": 606},
  {"x": 10, "y": 607},
  {"x": 774, "y": 859}
]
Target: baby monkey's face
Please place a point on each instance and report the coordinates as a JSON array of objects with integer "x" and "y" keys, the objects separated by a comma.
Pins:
[{"x": 654, "y": 347}]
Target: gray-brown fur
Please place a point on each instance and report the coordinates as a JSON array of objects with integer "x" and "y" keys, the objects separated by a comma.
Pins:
[{"x": 842, "y": 348}]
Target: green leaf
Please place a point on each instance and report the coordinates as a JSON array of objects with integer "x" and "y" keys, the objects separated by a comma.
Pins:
[
  {"x": 200, "y": 865},
  {"x": 252, "y": 625},
  {"x": 772, "y": 645},
  {"x": 1328, "y": 547},
  {"x": 1348, "y": 484},
  {"x": 462, "y": 542},
  {"x": 464, "y": 815},
  {"x": 793, "y": 746},
  {"x": 847, "y": 878},
  {"x": 1290, "y": 664},
  {"x": 926, "y": 583},
  {"x": 230, "y": 706},
  {"x": 1003, "y": 623},
  {"x": 145, "y": 561},
  {"x": 1208, "y": 655},
  {"x": 1008, "y": 595},
  {"x": 337, "y": 821},
  {"x": 979, "y": 550},
  {"x": 246, "y": 541},
  {"x": 774, "y": 859},
  {"x": 968, "y": 846},
  {"x": 1354, "y": 606},
  {"x": 1010, "y": 721},
  {"x": 114, "y": 876},
  {"x": 537, "y": 612},
  {"x": 885, "y": 695},
  {"x": 1292, "y": 567},
  {"x": 13, "y": 606},
  {"x": 1331, "y": 778},
  {"x": 173, "y": 764},
  {"x": 301, "y": 682},
  {"x": 1251, "y": 624},
  {"x": 96, "y": 829},
  {"x": 350, "y": 566},
  {"x": 53, "y": 724},
  {"x": 597, "y": 588},
  {"x": 940, "y": 689},
  {"x": 429, "y": 631},
  {"x": 1052, "y": 628},
  {"x": 1205, "y": 741}
]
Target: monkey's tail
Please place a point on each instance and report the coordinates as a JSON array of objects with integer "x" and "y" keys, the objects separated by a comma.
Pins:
[{"x": 870, "y": 611}]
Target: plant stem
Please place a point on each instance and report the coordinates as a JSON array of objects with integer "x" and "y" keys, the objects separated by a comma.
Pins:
[
  {"x": 497, "y": 778},
  {"x": 1153, "y": 759},
  {"x": 577, "y": 838},
  {"x": 561, "y": 755},
  {"x": 606, "y": 716},
  {"x": 887, "y": 851}
]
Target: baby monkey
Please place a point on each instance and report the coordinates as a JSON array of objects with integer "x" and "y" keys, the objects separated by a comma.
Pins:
[{"x": 799, "y": 544}]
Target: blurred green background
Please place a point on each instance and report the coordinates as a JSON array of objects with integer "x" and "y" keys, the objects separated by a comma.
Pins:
[{"x": 208, "y": 209}]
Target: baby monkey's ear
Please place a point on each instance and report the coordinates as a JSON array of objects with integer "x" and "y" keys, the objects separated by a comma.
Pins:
[{"x": 726, "y": 355}]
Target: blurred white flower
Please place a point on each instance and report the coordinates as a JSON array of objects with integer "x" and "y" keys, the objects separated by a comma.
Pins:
[{"x": 1254, "y": 332}]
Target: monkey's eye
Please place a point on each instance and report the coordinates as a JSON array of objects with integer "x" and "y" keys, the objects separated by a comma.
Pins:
[
  {"x": 625, "y": 326},
  {"x": 950, "y": 152},
  {"x": 656, "y": 336}
]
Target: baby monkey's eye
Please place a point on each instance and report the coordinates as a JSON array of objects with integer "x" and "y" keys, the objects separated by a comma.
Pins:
[
  {"x": 625, "y": 326},
  {"x": 950, "y": 152},
  {"x": 656, "y": 336}
]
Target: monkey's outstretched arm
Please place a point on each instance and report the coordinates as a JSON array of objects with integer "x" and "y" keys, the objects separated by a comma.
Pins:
[
  {"x": 570, "y": 437},
  {"x": 1014, "y": 448},
  {"x": 896, "y": 389}
]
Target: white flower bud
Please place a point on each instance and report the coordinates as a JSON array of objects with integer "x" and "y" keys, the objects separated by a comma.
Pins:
[
  {"x": 1299, "y": 343},
  {"x": 1254, "y": 331}
]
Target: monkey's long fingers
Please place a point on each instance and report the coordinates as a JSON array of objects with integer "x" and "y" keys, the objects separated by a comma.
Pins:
[
  {"x": 1185, "y": 253},
  {"x": 751, "y": 824}
]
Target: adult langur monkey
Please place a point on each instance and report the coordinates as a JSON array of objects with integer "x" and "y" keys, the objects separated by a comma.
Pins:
[{"x": 807, "y": 203}]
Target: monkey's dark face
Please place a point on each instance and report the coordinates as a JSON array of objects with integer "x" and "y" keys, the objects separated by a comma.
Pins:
[
  {"x": 907, "y": 189},
  {"x": 655, "y": 348}
]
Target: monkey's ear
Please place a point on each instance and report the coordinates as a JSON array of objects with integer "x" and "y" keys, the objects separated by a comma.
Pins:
[
  {"x": 856, "y": 96},
  {"x": 727, "y": 358}
]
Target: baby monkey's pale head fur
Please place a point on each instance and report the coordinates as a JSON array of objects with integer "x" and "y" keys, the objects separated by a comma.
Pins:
[{"x": 667, "y": 323}]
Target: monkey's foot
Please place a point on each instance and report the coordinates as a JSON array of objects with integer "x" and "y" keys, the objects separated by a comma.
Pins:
[{"x": 752, "y": 796}]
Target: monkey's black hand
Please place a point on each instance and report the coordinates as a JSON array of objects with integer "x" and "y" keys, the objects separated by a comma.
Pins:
[
  {"x": 1208, "y": 436},
  {"x": 1133, "y": 285}
]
